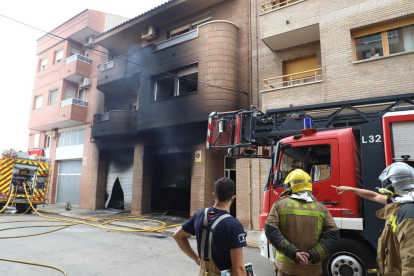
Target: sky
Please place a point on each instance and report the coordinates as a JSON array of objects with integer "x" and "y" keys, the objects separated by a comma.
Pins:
[{"x": 18, "y": 47}]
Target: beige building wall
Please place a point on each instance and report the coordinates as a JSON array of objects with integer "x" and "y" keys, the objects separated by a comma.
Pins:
[{"x": 343, "y": 78}]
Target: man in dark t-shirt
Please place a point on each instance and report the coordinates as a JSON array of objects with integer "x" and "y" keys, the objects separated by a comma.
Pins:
[{"x": 220, "y": 237}]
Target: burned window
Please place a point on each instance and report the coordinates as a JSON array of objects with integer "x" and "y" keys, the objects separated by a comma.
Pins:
[
  {"x": 313, "y": 159},
  {"x": 187, "y": 84},
  {"x": 164, "y": 89},
  {"x": 176, "y": 83}
]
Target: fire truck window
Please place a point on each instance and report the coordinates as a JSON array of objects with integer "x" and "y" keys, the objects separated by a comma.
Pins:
[{"x": 313, "y": 159}]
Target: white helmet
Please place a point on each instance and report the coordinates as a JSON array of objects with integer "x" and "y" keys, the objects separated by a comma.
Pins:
[{"x": 397, "y": 177}]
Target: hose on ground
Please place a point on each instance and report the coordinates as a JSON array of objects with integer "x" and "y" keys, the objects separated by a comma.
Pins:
[{"x": 69, "y": 224}]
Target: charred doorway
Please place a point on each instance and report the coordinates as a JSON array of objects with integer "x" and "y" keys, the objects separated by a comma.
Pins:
[
  {"x": 171, "y": 182},
  {"x": 119, "y": 177}
]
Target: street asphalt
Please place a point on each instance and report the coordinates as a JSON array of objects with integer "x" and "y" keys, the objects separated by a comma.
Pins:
[{"x": 85, "y": 250}]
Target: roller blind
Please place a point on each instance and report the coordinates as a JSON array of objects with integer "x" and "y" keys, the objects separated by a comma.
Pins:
[
  {"x": 188, "y": 70},
  {"x": 300, "y": 65},
  {"x": 179, "y": 29},
  {"x": 59, "y": 55},
  {"x": 38, "y": 102},
  {"x": 43, "y": 64},
  {"x": 384, "y": 27}
]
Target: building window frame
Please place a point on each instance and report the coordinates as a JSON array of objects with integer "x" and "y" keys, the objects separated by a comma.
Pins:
[
  {"x": 38, "y": 100},
  {"x": 176, "y": 79},
  {"x": 65, "y": 138},
  {"x": 383, "y": 30},
  {"x": 73, "y": 51},
  {"x": 55, "y": 90},
  {"x": 48, "y": 141},
  {"x": 36, "y": 140},
  {"x": 42, "y": 64},
  {"x": 59, "y": 55}
]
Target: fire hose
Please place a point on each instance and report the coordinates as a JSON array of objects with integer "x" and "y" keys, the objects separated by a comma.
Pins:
[{"x": 72, "y": 223}]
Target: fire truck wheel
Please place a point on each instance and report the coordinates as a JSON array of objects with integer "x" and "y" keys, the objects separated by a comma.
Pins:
[
  {"x": 20, "y": 207},
  {"x": 350, "y": 258}
]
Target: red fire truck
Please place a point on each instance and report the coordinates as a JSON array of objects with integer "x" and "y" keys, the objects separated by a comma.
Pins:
[{"x": 341, "y": 143}]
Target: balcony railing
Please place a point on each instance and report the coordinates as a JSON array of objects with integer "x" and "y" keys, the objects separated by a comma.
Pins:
[
  {"x": 73, "y": 101},
  {"x": 293, "y": 79},
  {"x": 79, "y": 57},
  {"x": 272, "y": 5}
]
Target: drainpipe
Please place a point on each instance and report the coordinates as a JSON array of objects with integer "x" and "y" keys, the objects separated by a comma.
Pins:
[
  {"x": 259, "y": 186},
  {"x": 250, "y": 193}
]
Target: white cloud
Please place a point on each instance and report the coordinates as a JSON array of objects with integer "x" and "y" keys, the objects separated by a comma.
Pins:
[{"x": 18, "y": 58}]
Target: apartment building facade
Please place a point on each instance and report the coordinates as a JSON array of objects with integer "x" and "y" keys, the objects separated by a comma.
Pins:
[
  {"x": 169, "y": 68},
  {"x": 64, "y": 100},
  {"x": 313, "y": 51}
]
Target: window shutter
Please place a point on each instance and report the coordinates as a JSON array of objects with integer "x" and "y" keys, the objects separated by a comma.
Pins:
[
  {"x": 384, "y": 27},
  {"x": 59, "y": 55},
  {"x": 70, "y": 93},
  {"x": 179, "y": 29},
  {"x": 43, "y": 64},
  {"x": 38, "y": 103},
  {"x": 53, "y": 96},
  {"x": 301, "y": 65},
  {"x": 188, "y": 70},
  {"x": 74, "y": 51}
]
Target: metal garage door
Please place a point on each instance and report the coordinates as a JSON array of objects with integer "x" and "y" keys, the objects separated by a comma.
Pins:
[{"x": 69, "y": 180}]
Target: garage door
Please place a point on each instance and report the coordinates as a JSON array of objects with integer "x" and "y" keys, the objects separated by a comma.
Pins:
[{"x": 69, "y": 180}]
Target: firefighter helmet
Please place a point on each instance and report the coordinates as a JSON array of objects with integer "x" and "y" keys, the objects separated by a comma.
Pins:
[
  {"x": 397, "y": 177},
  {"x": 298, "y": 181}
]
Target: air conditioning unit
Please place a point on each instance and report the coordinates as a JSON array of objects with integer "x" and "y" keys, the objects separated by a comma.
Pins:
[
  {"x": 85, "y": 83},
  {"x": 149, "y": 32},
  {"x": 89, "y": 42}
]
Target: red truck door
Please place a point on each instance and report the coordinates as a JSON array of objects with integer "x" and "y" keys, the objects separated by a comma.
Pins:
[{"x": 320, "y": 159}]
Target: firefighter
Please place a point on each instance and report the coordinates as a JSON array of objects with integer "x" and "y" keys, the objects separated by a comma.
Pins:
[
  {"x": 220, "y": 237},
  {"x": 300, "y": 228},
  {"x": 395, "y": 246}
]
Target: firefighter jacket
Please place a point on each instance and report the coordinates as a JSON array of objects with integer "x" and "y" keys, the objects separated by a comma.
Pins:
[
  {"x": 296, "y": 225},
  {"x": 396, "y": 244}
]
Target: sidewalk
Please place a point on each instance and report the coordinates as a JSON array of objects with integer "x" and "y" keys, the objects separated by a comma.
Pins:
[{"x": 105, "y": 214}]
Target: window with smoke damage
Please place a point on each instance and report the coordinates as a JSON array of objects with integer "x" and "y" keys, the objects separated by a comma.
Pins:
[
  {"x": 187, "y": 27},
  {"x": 176, "y": 83}
]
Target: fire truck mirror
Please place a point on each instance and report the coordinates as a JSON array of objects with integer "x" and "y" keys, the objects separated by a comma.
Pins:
[{"x": 277, "y": 179}]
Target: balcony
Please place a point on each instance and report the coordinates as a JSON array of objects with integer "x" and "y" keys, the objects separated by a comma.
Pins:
[
  {"x": 114, "y": 123},
  {"x": 278, "y": 41},
  {"x": 77, "y": 67},
  {"x": 296, "y": 79},
  {"x": 277, "y": 4},
  {"x": 68, "y": 113}
]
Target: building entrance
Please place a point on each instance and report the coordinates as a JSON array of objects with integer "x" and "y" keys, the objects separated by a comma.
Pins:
[{"x": 171, "y": 182}]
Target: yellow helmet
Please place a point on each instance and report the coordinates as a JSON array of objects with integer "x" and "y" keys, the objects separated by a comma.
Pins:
[{"x": 298, "y": 181}]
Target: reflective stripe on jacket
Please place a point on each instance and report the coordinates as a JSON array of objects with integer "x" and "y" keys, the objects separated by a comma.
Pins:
[
  {"x": 296, "y": 225},
  {"x": 396, "y": 244}
]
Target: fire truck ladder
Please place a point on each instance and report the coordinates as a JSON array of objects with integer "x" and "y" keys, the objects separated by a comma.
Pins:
[{"x": 265, "y": 129}]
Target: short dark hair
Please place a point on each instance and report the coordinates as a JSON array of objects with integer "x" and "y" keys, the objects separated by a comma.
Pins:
[{"x": 224, "y": 189}]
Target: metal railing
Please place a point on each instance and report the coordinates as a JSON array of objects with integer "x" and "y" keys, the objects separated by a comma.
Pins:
[
  {"x": 272, "y": 5},
  {"x": 73, "y": 101},
  {"x": 79, "y": 57},
  {"x": 293, "y": 79}
]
